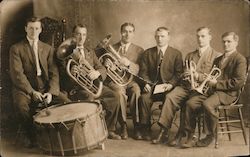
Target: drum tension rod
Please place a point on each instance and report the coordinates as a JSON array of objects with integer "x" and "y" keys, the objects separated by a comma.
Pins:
[
  {"x": 82, "y": 122},
  {"x": 65, "y": 125}
]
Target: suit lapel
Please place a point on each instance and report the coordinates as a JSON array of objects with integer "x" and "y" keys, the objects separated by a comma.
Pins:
[
  {"x": 29, "y": 51},
  {"x": 228, "y": 61},
  {"x": 41, "y": 55}
]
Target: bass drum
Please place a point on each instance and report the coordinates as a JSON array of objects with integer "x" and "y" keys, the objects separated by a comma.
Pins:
[{"x": 71, "y": 128}]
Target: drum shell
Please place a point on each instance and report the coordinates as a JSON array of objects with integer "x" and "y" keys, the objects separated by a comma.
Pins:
[{"x": 74, "y": 136}]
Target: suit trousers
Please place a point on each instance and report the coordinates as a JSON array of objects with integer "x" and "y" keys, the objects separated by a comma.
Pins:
[
  {"x": 26, "y": 108},
  {"x": 130, "y": 94},
  {"x": 109, "y": 100},
  {"x": 173, "y": 102}
]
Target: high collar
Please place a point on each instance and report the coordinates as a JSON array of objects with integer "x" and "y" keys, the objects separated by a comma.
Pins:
[
  {"x": 31, "y": 40},
  {"x": 163, "y": 49},
  {"x": 204, "y": 49}
]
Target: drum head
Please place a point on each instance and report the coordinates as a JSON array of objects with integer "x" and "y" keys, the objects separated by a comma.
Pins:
[{"x": 66, "y": 112}]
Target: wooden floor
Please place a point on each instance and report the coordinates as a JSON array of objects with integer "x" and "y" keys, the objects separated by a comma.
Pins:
[{"x": 133, "y": 148}]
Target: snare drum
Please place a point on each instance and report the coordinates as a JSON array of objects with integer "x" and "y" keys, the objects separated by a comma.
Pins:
[{"x": 71, "y": 128}]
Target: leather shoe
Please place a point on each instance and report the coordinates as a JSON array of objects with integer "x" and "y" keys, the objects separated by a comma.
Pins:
[
  {"x": 160, "y": 137},
  {"x": 138, "y": 135},
  {"x": 114, "y": 136},
  {"x": 124, "y": 134},
  {"x": 190, "y": 143},
  {"x": 172, "y": 143},
  {"x": 205, "y": 141}
]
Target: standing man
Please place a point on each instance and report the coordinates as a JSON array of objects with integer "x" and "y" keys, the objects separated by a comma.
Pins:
[
  {"x": 233, "y": 74},
  {"x": 74, "y": 48},
  {"x": 161, "y": 64},
  {"x": 203, "y": 58},
  {"x": 130, "y": 54},
  {"x": 34, "y": 75}
]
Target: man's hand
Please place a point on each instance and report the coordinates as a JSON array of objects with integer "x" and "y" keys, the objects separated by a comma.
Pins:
[
  {"x": 168, "y": 87},
  {"x": 94, "y": 74},
  {"x": 147, "y": 88},
  {"x": 212, "y": 82},
  {"x": 47, "y": 97},
  {"x": 125, "y": 61},
  {"x": 74, "y": 70},
  {"x": 37, "y": 96}
]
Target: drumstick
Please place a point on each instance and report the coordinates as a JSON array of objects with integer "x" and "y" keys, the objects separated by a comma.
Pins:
[{"x": 46, "y": 107}]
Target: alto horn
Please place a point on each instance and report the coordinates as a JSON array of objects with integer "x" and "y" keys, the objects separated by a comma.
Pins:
[
  {"x": 79, "y": 71},
  {"x": 110, "y": 58},
  {"x": 213, "y": 75}
]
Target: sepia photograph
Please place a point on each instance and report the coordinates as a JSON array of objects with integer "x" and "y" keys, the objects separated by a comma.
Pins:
[{"x": 125, "y": 78}]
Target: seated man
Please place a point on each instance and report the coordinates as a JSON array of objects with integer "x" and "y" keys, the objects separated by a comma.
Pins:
[
  {"x": 73, "y": 48},
  {"x": 161, "y": 64},
  {"x": 203, "y": 59},
  {"x": 224, "y": 90},
  {"x": 130, "y": 54},
  {"x": 34, "y": 75}
]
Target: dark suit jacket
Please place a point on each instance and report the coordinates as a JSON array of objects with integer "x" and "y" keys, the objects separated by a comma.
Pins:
[
  {"x": 91, "y": 58},
  {"x": 23, "y": 67},
  {"x": 232, "y": 77},
  {"x": 171, "y": 66},
  {"x": 133, "y": 53}
]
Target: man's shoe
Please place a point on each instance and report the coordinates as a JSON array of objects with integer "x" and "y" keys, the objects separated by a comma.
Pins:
[
  {"x": 190, "y": 143},
  {"x": 205, "y": 141},
  {"x": 159, "y": 138},
  {"x": 114, "y": 136},
  {"x": 138, "y": 135},
  {"x": 124, "y": 134},
  {"x": 172, "y": 143}
]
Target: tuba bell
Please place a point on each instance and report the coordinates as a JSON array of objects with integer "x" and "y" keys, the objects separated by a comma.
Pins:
[
  {"x": 79, "y": 71},
  {"x": 110, "y": 59}
]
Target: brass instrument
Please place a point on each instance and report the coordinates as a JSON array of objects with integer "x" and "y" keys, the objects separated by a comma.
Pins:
[
  {"x": 81, "y": 70},
  {"x": 191, "y": 68},
  {"x": 213, "y": 75},
  {"x": 111, "y": 60}
]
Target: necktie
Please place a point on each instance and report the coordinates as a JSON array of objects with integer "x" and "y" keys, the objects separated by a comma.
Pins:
[
  {"x": 82, "y": 55},
  {"x": 35, "y": 49},
  {"x": 160, "y": 56},
  {"x": 123, "y": 49}
]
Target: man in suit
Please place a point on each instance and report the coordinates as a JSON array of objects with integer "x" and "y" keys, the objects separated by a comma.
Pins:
[
  {"x": 225, "y": 89},
  {"x": 74, "y": 48},
  {"x": 203, "y": 58},
  {"x": 161, "y": 64},
  {"x": 34, "y": 76},
  {"x": 130, "y": 55}
]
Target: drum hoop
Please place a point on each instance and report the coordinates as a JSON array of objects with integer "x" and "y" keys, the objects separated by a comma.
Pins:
[{"x": 99, "y": 109}]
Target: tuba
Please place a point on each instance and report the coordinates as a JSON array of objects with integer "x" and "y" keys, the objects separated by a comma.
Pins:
[
  {"x": 213, "y": 75},
  {"x": 81, "y": 70},
  {"x": 110, "y": 60}
]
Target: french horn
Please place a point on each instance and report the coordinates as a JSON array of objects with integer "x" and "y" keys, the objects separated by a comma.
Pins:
[
  {"x": 81, "y": 70},
  {"x": 110, "y": 59}
]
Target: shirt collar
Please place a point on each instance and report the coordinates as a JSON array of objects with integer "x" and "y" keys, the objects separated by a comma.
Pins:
[
  {"x": 163, "y": 49},
  {"x": 203, "y": 49},
  {"x": 126, "y": 45},
  {"x": 229, "y": 53},
  {"x": 31, "y": 40}
]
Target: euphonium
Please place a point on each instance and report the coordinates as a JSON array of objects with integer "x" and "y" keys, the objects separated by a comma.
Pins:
[
  {"x": 111, "y": 60},
  {"x": 203, "y": 87},
  {"x": 81, "y": 70}
]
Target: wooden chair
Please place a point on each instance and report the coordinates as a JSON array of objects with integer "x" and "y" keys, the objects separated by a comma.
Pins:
[{"x": 226, "y": 119}]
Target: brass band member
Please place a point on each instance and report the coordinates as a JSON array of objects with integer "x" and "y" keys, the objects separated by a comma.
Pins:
[
  {"x": 130, "y": 54},
  {"x": 233, "y": 69},
  {"x": 34, "y": 75},
  {"x": 80, "y": 53},
  {"x": 203, "y": 58},
  {"x": 161, "y": 64}
]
